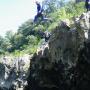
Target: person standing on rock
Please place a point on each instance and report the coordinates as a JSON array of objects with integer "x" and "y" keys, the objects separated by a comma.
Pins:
[{"x": 87, "y": 5}]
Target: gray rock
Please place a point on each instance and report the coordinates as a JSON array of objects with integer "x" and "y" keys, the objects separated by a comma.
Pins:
[{"x": 65, "y": 63}]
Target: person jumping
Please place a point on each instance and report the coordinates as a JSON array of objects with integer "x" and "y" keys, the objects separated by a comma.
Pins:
[{"x": 39, "y": 12}]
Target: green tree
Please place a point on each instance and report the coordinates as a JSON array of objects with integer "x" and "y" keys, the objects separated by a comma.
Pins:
[
  {"x": 3, "y": 45},
  {"x": 52, "y": 5},
  {"x": 32, "y": 40},
  {"x": 26, "y": 28},
  {"x": 19, "y": 40}
]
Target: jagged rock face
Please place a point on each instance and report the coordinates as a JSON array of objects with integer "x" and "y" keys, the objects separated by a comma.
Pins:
[
  {"x": 46, "y": 76},
  {"x": 64, "y": 63},
  {"x": 13, "y": 73},
  {"x": 2, "y": 70},
  {"x": 64, "y": 45},
  {"x": 83, "y": 24},
  {"x": 81, "y": 72}
]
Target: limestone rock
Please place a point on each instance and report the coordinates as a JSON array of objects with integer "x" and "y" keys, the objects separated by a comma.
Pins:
[
  {"x": 65, "y": 63},
  {"x": 83, "y": 24}
]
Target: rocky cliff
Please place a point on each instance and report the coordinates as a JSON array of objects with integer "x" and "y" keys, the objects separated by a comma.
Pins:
[
  {"x": 13, "y": 72},
  {"x": 64, "y": 62}
]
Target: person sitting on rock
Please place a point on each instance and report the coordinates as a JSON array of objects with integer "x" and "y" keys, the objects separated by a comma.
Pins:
[
  {"x": 87, "y": 5},
  {"x": 39, "y": 12}
]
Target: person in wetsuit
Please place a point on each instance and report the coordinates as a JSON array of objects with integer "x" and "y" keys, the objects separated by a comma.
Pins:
[
  {"x": 87, "y": 5},
  {"x": 39, "y": 12}
]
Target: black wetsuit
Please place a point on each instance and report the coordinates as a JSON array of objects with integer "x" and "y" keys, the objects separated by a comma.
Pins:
[
  {"x": 38, "y": 8},
  {"x": 39, "y": 12},
  {"x": 87, "y": 5}
]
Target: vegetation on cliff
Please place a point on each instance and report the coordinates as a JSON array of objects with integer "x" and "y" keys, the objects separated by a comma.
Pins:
[{"x": 29, "y": 34}]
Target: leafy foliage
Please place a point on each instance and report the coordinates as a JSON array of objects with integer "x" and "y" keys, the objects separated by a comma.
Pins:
[{"x": 29, "y": 33}]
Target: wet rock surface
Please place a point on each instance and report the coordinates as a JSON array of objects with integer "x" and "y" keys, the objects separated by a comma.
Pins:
[{"x": 64, "y": 62}]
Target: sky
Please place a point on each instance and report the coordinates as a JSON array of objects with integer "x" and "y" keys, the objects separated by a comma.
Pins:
[{"x": 15, "y": 12}]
